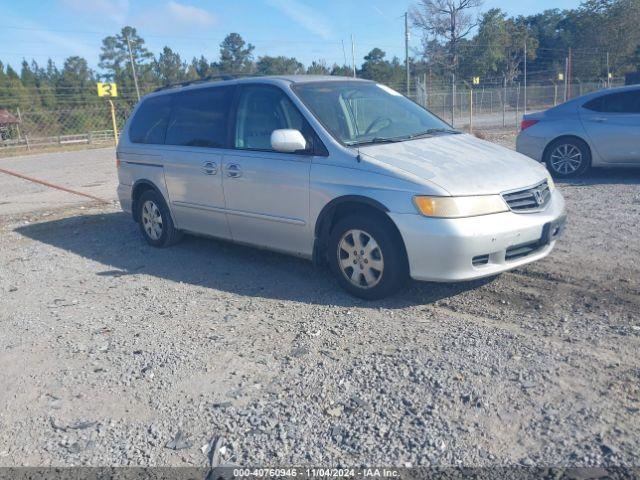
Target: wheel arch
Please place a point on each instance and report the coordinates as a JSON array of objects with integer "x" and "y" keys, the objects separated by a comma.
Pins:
[
  {"x": 339, "y": 207},
  {"x": 138, "y": 188},
  {"x": 567, "y": 136}
]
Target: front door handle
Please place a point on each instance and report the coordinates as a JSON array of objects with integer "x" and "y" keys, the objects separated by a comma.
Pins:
[
  {"x": 209, "y": 168},
  {"x": 599, "y": 119},
  {"x": 234, "y": 170}
]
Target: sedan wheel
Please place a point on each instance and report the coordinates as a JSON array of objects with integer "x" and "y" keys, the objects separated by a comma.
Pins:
[
  {"x": 566, "y": 159},
  {"x": 360, "y": 259}
]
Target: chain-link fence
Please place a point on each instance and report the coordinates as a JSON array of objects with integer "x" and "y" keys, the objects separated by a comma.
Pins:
[
  {"x": 487, "y": 107},
  {"x": 61, "y": 128},
  {"x": 495, "y": 107}
]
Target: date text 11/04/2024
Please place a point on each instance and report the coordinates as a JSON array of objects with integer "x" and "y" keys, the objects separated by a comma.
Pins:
[{"x": 316, "y": 472}]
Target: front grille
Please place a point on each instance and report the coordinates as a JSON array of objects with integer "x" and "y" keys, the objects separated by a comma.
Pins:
[{"x": 530, "y": 199}]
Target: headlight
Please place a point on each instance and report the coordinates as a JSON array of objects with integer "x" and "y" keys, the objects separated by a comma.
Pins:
[
  {"x": 456, "y": 207},
  {"x": 550, "y": 182}
]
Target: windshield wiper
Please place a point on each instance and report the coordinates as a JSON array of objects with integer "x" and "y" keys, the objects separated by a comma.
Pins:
[
  {"x": 426, "y": 133},
  {"x": 377, "y": 140},
  {"x": 430, "y": 132}
]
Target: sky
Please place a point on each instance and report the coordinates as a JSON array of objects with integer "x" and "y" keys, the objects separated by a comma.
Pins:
[{"x": 305, "y": 29}]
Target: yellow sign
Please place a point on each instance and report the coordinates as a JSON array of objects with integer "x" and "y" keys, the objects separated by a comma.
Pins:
[
  {"x": 610, "y": 75},
  {"x": 476, "y": 80},
  {"x": 561, "y": 76},
  {"x": 107, "y": 89}
]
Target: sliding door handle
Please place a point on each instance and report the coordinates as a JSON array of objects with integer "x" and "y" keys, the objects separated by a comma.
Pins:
[
  {"x": 234, "y": 170},
  {"x": 209, "y": 168}
]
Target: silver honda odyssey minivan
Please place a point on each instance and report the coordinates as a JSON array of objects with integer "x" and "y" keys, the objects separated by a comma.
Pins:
[{"x": 337, "y": 170}]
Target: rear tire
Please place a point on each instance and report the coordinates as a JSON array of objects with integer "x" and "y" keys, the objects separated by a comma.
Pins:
[
  {"x": 367, "y": 256},
  {"x": 568, "y": 157},
  {"x": 155, "y": 221}
]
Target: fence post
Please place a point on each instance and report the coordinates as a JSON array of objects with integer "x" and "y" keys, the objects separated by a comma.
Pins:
[
  {"x": 517, "y": 104},
  {"x": 504, "y": 104},
  {"x": 444, "y": 105},
  {"x": 19, "y": 122},
  {"x": 453, "y": 99},
  {"x": 471, "y": 110},
  {"x": 113, "y": 121},
  {"x": 426, "y": 91}
]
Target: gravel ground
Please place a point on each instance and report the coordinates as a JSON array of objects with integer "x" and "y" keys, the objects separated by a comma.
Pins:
[{"x": 115, "y": 353}]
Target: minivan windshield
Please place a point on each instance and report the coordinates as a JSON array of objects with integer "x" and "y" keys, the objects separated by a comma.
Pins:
[{"x": 360, "y": 113}]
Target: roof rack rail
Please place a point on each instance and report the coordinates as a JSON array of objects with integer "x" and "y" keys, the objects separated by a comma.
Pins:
[{"x": 201, "y": 80}]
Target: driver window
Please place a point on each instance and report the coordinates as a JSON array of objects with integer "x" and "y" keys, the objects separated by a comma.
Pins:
[{"x": 261, "y": 110}]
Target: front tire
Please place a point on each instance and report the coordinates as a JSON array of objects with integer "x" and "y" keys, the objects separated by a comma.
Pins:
[
  {"x": 367, "y": 256},
  {"x": 568, "y": 157},
  {"x": 155, "y": 221}
]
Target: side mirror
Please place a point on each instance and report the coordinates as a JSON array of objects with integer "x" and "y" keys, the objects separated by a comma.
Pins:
[{"x": 287, "y": 140}]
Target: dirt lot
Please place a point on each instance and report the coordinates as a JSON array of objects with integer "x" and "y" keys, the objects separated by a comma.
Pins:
[{"x": 111, "y": 349}]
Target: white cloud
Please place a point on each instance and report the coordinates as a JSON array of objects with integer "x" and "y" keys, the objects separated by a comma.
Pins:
[
  {"x": 173, "y": 18},
  {"x": 43, "y": 43},
  {"x": 190, "y": 15},
  {"x": 303, "y": 15},
  {"x": 115, "y": 10}
]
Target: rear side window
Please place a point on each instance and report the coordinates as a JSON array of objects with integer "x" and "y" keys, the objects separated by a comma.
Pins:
[
  {"x": 199, "y": 117},
  {"x": 150, "y": 122},
  {"x": 621, "y": 102}
]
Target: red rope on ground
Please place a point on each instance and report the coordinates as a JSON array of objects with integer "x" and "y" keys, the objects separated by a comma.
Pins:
[{"x": 52, "y": 185}]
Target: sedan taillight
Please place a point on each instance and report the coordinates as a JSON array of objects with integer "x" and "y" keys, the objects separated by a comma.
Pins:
[{"x": 524, "y": 124}]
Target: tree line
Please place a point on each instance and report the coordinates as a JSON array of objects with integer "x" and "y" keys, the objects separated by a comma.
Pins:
[
  {"x": 602, "y": 36},
  {"x": 597, "y": 38}
]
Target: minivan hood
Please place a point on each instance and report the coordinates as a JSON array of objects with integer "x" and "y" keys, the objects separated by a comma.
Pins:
[{"x": 461, "y": 164}]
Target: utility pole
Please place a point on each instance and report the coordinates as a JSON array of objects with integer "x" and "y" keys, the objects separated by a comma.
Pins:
[
  {"x": 566, "y": 78},
  {"x": 569, "y": 73},
  {"x": 406, "y": 47},
  {"x": 608, "y": 72},
  {"x": 353, "y": 56},
  {"x": 344, "y": 53},
  {"x": 525, "y": 75},
  {"x": 133, "y": 67}
]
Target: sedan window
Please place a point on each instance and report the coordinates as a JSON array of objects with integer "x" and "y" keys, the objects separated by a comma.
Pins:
[{"x": 620, "y": 102}]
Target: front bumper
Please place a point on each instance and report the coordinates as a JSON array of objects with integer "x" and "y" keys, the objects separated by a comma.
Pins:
[{"x": 449, "y": 250}]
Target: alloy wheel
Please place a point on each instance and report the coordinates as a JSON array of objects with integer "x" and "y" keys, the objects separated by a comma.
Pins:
[
  {"x": 566, "y": 159},
  {"x": 360, "y": 259},
  {"x": 152, "y": 220}
]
